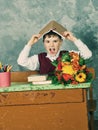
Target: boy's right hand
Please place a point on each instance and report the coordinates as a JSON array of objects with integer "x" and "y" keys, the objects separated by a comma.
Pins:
[{"x": 34, "y": 39}]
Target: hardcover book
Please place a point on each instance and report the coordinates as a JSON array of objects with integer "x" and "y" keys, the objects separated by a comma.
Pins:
[
  {"x": 42, "y": 82},
  {"x": 37, "y": 78},
  {"x": 54, "y": 26}
]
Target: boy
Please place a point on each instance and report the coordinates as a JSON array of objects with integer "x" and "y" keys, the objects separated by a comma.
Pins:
[{"x": 52, "y": 42}]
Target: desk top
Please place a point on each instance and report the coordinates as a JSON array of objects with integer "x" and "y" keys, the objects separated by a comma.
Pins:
[{"x": 17, "y": 86}]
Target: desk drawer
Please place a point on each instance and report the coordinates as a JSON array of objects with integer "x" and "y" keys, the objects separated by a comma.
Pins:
[{"x": 42, "y": 97}]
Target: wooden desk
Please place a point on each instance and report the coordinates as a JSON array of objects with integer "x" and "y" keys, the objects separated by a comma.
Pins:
[{"x": 44, "y": 110}]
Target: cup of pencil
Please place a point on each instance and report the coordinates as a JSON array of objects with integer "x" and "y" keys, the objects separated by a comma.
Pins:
[{"x": 5, "y": 75}]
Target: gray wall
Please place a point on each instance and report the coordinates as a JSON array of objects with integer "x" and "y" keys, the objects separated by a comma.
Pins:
[{"x": 19, "y": 19}]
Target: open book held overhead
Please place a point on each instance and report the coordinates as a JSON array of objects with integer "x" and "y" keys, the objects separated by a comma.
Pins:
[{"x": 54, "y": 26}]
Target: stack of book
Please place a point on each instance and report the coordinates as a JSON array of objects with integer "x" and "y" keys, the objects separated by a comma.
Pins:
[{"x": 38, "y": 79}]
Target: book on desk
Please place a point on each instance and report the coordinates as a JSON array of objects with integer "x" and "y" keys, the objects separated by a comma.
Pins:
[{"x": 39, "y": 79}]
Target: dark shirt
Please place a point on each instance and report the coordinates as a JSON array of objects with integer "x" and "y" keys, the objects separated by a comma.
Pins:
[{"x": 46, "y": 66}]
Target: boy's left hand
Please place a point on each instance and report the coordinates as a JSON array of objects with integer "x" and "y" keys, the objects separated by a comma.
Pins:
[{"x": 69, "y": 36}]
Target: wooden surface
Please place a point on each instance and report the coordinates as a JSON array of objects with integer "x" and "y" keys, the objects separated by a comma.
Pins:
[
  {"x": 44, "y": 110},
  {"x": 21, "y": 76}
]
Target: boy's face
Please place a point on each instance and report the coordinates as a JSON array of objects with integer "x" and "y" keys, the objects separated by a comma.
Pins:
[{"x": 52, "y": 44}]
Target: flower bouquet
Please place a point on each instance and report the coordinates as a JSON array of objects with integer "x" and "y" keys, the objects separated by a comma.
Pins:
[{"x": 70, "y": 69}]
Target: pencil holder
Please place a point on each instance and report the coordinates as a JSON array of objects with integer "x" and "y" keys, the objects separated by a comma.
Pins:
[{"x": 5, "y": 79}]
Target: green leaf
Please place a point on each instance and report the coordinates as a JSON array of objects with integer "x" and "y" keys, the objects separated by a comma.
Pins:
[
  {"x": 89, "y": 77},
  {"x": 81, "y": 61},
  {"x": 55, "y": 63},
  {"x": 66, "y": 57}
]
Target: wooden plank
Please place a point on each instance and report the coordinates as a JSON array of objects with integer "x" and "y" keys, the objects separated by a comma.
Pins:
[
  {"x": 59, "y": 116},
  {"x": 21, "y": 76},
  {"x": 42, "y": 97}
]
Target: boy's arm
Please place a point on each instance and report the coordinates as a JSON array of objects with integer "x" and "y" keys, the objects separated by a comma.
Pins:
[
  {"x": 83, "y": 49},
  {"x": 34, "y": 39},
  {"x": 31, "y": 63}
]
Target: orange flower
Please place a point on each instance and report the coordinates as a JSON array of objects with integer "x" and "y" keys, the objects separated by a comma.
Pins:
[
  {"x": 67, "y": 77},
  {"x": 74, "y": 55},
  {"x": 59, "y": 76}
]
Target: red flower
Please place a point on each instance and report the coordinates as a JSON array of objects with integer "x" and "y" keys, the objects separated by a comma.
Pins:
[
  {"x": 59, "y": 76},
  {"x": 74, "y": 82},
  {"x": 67, "y": 77},
  {"x": 59, "y": 59},
  {"x": 59, "y": 67}
]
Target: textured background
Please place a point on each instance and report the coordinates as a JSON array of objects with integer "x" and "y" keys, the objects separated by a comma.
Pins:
[{"x": 19, "y": 19}]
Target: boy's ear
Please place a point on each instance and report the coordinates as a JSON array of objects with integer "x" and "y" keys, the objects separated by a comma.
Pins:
[{"x": 61, "y": 41}]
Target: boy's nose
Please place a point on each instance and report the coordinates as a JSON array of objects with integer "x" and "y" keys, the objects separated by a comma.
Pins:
[{"x": 51, "y": 44}]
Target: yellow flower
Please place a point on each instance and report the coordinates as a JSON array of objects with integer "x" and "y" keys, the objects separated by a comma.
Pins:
[
  {"x": 68, "y": 69},
  {"x": 81, "y": 77},
  {"x": 65, "y": 63}
]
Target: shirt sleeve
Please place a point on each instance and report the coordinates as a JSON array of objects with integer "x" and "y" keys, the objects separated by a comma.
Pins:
[
  {"x": 31, "y": 63},
  {"x": 84, "y": 51}
]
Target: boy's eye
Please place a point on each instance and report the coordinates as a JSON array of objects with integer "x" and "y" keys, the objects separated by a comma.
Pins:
[
  {"x": 47, "y": 41},
  {"x": 55, "y": 41}
]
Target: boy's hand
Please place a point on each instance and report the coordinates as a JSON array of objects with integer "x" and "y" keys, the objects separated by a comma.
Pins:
[
  {"x": 69, "y": 36},
  {"x": 34, "y": 39}
]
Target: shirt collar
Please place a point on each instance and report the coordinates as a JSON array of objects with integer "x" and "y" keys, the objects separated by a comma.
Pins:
[{"x": 52, "y": 58}]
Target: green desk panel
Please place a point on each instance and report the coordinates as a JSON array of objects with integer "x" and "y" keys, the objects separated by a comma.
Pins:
[{"x": 27, "y": 86}]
